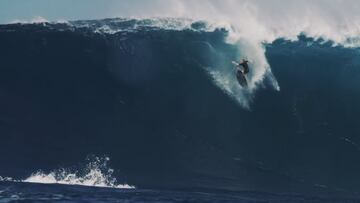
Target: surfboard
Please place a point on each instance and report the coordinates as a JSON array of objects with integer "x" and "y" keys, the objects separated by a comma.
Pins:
[{"x": 241, "y": 79}]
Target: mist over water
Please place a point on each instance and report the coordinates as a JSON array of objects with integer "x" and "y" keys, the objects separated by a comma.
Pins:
[{"x": 261, "y": 20}]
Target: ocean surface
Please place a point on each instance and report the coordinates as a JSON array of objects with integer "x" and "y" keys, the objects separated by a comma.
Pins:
[{"x": 130, "y": 110}]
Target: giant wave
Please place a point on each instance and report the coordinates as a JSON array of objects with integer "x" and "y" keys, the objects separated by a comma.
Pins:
[{"x": 159, "y": 96}]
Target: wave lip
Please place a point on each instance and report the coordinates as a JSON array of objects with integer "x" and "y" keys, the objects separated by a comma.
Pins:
[{"x": 115, "y": 25}]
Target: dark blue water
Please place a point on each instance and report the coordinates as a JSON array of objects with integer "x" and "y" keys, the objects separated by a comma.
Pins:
[
  {"x": 21, "y": 192},
  {"x": 141, "y": 96}
]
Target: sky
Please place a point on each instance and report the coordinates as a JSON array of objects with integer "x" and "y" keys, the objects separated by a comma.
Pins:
[
  {"x": 266, "y": 10},
  {"x": 53, "y": 10}
]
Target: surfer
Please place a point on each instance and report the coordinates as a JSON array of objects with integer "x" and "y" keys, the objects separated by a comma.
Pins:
[
  {"x": 245, "y": 65},
  {"x": 241, "y": 72}
]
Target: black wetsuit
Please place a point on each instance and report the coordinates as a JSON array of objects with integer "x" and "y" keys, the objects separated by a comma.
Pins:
[
  {"x": 240, "y": 74},
  {"x": 245, "y": 65}
]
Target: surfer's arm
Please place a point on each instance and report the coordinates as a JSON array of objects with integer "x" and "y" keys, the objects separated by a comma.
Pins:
[{"x": 235, "y": 63}]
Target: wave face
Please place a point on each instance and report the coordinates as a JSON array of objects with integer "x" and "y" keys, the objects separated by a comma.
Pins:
[{"x": 160, "y": 98}]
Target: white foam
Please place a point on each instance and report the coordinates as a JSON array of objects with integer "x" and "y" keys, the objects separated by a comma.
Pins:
[
  {"x": 94, "y": 178},
  {"x": 3, "y": 179},
  {"x": 230, "y": 86},
  {"x": 157, "y": 23},
  {"x": 96, "y": 174}
]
